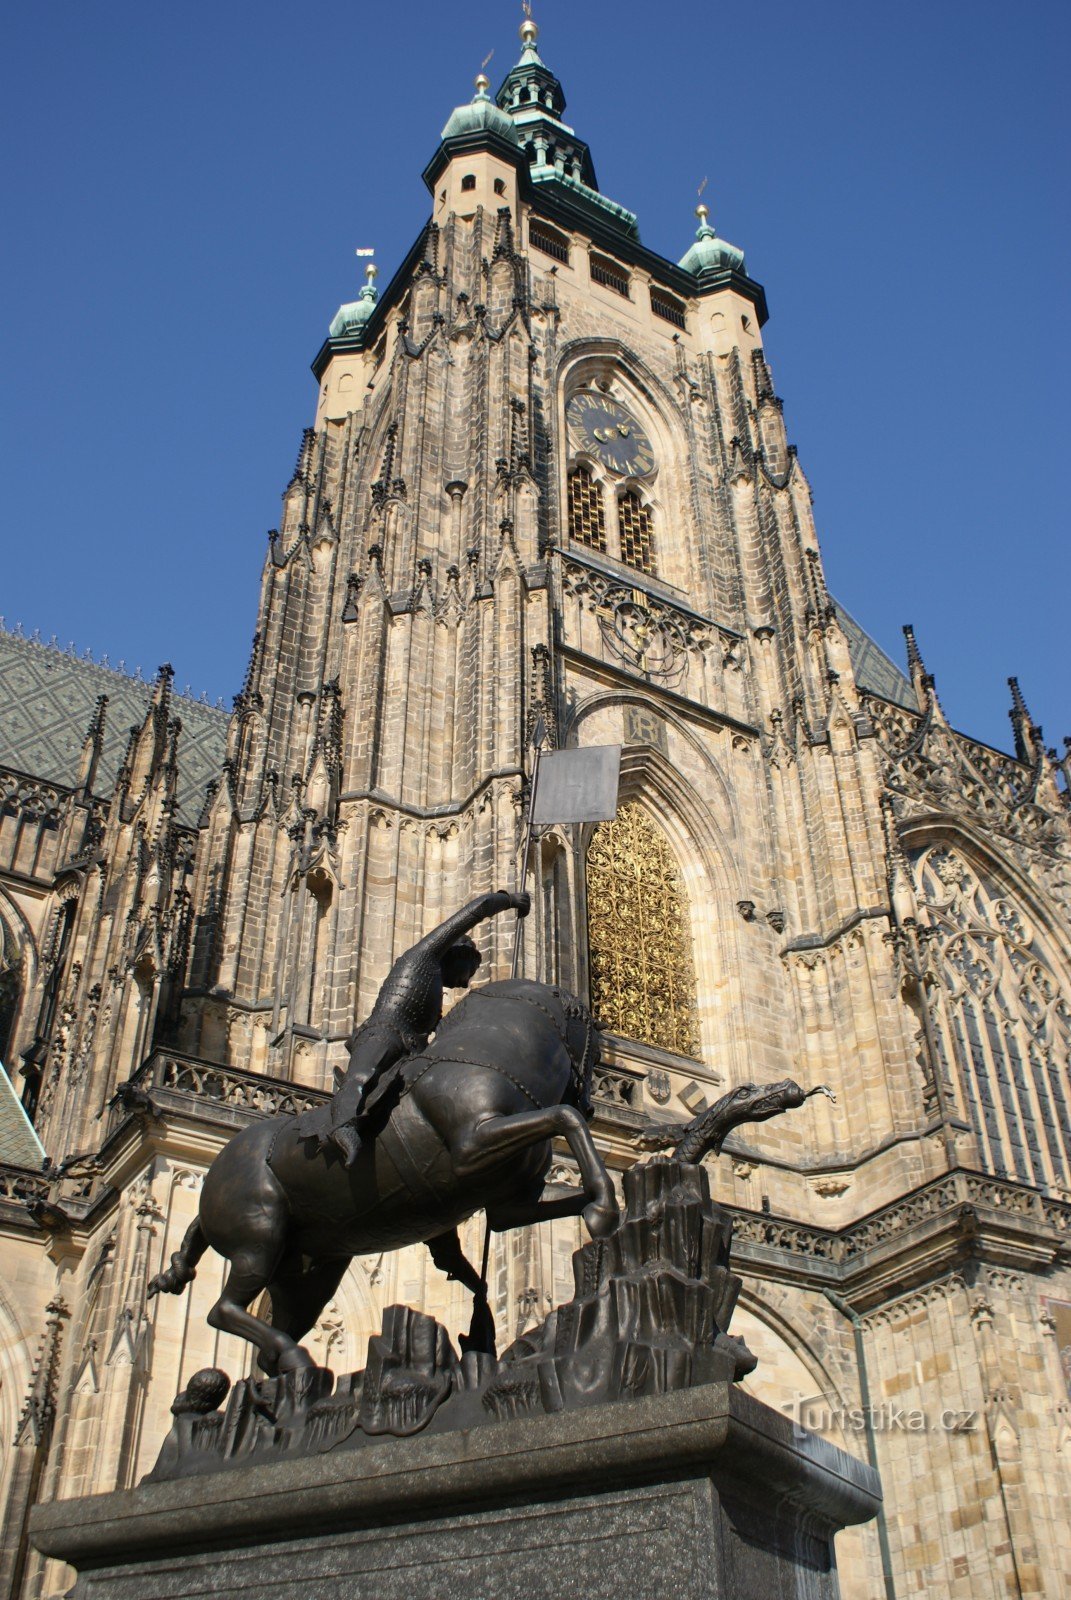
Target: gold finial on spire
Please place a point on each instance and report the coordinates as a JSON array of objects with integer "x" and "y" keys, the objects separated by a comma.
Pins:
[
  {"x": 529, "y": 31},
  {"x": 371, "y": 272},
  {"x": 483, "y": 83},
  {"x": 702, "y": 211}
]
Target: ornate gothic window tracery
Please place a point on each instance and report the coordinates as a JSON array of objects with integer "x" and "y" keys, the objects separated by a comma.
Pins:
[
  {"x": 1003, "y": 1021},
  {"x": 639, "y": 938}
]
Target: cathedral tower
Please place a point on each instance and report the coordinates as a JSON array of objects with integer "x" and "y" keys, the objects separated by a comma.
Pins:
[{"x": 548, "y": 476}]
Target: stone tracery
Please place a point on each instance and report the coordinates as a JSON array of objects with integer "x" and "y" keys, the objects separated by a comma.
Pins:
[{"x": 1003, "y": 1022}]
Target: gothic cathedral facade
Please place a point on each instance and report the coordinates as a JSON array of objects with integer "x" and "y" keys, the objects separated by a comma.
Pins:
[{"x": 549, "y": 478}]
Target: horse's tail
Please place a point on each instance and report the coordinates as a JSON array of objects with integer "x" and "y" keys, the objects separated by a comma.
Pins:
[{"x": 183, "y": 1263}]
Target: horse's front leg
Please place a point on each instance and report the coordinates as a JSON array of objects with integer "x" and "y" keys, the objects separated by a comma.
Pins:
[{"x": 496, "y": 1139}]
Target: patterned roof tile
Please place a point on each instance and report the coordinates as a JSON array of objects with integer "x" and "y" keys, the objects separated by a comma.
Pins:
[
  {"x": 874, "y": 672},
  {"x": 19, "y": 1145},
  {"x": 47, "y": 699}
]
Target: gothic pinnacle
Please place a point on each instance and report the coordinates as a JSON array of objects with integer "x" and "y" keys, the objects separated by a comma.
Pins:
[
  {"x": 923, "y": 681},
  {"x": 898, "y": 877},
  {"x": 1026, "y": 731},
  {"x": 92, "y": 745}
]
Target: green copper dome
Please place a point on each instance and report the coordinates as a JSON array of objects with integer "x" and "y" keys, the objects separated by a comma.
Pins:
[
  {"x": 709, "y": 253},
  {"x": 349, "y": 320},
  {"x": 480, "y": 115}
]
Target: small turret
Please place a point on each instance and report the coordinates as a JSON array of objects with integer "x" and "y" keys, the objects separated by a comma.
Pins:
[
  {"x": 349, "y": 320},
  {"x": 481, "y": 114},
  {"x": 710, "y": 256}
]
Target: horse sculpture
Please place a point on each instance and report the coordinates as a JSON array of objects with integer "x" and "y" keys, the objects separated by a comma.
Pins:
[{"x": 464, "y": 1125}]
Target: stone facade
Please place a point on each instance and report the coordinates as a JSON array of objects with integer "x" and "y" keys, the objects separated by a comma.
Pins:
[{"x": 864, "y": 897}]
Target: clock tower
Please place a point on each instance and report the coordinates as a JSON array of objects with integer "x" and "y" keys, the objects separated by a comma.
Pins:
[{"x": 548, "y": 479}]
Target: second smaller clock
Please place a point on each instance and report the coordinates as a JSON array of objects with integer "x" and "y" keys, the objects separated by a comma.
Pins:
[{"x": 606, "y": 431}]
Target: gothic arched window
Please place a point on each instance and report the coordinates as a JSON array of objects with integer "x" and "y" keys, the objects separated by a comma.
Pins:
[
  {"x": 634, "y": 526},
  {"x": 1003, "y": 1021},
  {"x": 587, "y": 522},
  {"x": 639, "y": 939}
]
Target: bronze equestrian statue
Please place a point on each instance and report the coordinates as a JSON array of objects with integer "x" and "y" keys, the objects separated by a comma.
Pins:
[
  {"x": 407, "y": 1011},
  {"x": 443, "y": 1130}
]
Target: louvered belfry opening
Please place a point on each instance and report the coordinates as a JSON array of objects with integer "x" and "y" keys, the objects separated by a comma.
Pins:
[
  {"x": 587, "y": 519},
  {"x": 634, "y": 522}
]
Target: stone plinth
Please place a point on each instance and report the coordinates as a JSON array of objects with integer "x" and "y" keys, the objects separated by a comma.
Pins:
[{"x": 691, "y": 1495}]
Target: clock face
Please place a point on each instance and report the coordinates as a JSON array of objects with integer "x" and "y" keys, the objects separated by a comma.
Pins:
[{"x": 605, "y": 430}]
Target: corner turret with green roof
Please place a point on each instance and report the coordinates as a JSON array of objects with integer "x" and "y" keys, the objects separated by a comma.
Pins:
[
  {"x": 349, "y": 320},
  {"x": 480, "y": 115},
  {"x": 710, "y": 256}
]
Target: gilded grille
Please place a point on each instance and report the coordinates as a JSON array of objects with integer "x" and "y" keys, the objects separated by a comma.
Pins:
[
  {"x": 634, "y": 522},
  {"x": 639, "y": 940},
  {"x": 586, "y": 520}
]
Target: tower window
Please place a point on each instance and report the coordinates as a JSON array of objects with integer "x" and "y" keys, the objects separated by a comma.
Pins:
[
  {"x": 468, "y": 181},
  {"x": 587, "y": 522},
  {"x": 639, "y": 940},
  {"x": 500, "y": 185},
  {"x": 634, "y": 524},
  {"x": 549, "y": 240},
  {"x": 667, "y": 306},
  {"x": 609, "y": 274}
]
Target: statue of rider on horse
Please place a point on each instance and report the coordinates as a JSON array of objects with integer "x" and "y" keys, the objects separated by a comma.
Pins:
[
  {"x": 419, "y": 1137},
  {"x": 436, "y": 1119}
]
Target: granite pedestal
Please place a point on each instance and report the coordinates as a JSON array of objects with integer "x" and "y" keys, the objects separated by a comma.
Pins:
[{"x": 691, "y": 1495}]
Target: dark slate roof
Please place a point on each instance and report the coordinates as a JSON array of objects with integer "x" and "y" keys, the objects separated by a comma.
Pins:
[
  {"x": 874, "y": 671},
  {"x": 47, "y": 698},
  {"x": 19, "y": 1145}
]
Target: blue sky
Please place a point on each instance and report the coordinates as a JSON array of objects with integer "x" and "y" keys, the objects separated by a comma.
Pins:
[{"x": 184, "y": 189}]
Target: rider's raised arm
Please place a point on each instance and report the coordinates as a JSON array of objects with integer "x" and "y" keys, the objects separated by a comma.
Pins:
[{"x": 439, "y": 940}]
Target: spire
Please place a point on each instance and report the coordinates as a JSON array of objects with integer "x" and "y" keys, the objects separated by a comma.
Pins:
[
  {"x": 531, "y": 84},
  {"x": 248, "y": 696},
  {"x": 923, "y": 681},
  {"x": 535, "y": 102},
  {"x": 1027, "y": 733},
  {"x": 39, "y": 1408},
  {"x": 92, "y": 746}
]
